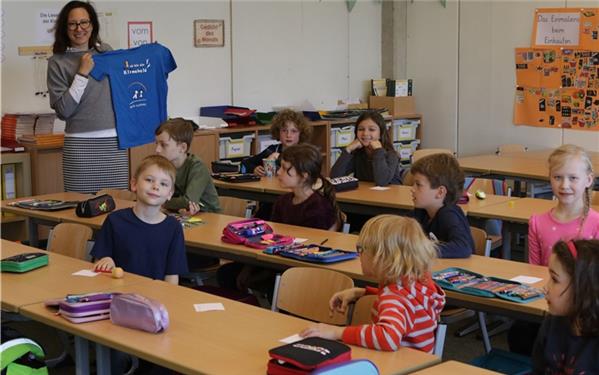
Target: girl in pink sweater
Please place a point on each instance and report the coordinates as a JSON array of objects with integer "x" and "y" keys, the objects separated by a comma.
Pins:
[
  {"x": 395, "y": 251},
  {"x": 571, "y": 176}
]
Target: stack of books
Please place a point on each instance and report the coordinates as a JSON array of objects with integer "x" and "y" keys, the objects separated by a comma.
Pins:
[
  {"x": 391, "y": 87},
  {"x": 47, "y": 140}
]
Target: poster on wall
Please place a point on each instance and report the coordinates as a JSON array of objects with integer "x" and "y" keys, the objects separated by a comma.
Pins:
[
  {"x": 139, "y": 33},
  {"x": 557, "y": 78},
  {"x": 44, "y": 26},
  {"x": 209, "y": 33}
]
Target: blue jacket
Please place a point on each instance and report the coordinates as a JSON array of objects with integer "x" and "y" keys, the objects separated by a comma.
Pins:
[{"x": 451, "y": 228}]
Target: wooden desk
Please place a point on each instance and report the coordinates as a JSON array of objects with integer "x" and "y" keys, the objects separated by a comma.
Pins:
[
  {"x": 364, "y": 200},
  {"x": 53, "y": 281},
  {"x": 217, "y": 342},
  {"x": 454, "y": 367}
]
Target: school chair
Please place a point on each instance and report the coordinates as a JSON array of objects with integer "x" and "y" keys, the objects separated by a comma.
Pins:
[
  {"x": 595, "y": 198},
  {"x": 341, "y": 225},
  {"x": 352, "y": 367},
  {"x": 489, "y": 186},
  {"x": 482, "y": 247},
  {"x": 123, "y": 194},
  {"x": 70, "y": 239},
  {"x": 420, "y": 153},
  {"x": 306, "y": 291},
  {"x": 361, "y": 313},
  {"x": 235, "y": 207},
  {"x": 531, "y": 188}
]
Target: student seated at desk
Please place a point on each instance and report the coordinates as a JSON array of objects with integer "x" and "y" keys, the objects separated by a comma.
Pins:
[
  {"x": 311, "y": 203},
  {"x": 438, "y": 184},
  {"x": 395, "y": 251},
  {"x": 289, "y": 128},
  {"x": 568, "y": 341},
  {"x": 193, "y": 185},
  {"x": 142, "y": 239},
  {"x": 371, "y": 156}
]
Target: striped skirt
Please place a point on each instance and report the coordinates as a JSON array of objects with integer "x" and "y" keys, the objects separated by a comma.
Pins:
[{"x": 93, "y": 164}]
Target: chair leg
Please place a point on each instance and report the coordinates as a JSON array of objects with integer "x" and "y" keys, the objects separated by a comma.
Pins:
[
  {"x": 483, "y": 328},
  {"x": 275, "y": 295}
]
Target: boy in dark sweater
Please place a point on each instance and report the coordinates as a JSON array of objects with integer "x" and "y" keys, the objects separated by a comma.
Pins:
[{"x": 438, "y": 183}]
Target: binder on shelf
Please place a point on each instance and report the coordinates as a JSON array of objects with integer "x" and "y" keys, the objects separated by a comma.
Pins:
[
  {"x": 378, "y": 87},
  {"x": 9, "y": 183},
  {"x": 399, "y": 87}
]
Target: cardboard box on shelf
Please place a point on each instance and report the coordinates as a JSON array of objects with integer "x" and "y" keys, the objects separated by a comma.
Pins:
[{"x": 396, "y": 105}]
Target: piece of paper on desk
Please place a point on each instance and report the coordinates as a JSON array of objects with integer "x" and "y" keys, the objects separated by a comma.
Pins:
[
  {"x": 86, "y": 273},
  {"x": 291, "y": 339},
  {"x": 526, "y": 279},
  {"x": 203, "y": 307},
  {"x": 379, "y": 188},
  {"x": 299, "y": 240}
]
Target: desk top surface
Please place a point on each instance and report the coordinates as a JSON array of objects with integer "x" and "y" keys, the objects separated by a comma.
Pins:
[
  {"x": 215, "y": 342},
  {"x": 53, "y": 281}
]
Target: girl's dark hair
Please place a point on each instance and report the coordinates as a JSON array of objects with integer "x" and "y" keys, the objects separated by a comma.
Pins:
[
  {"x": 380, "y": 121},
  {"x": 307, "y": 158},
  {"x": 61, "y": 36},
  {"x": 584, "y": 273}
]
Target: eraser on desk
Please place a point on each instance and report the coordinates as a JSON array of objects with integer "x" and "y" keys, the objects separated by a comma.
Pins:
[{"x": 511, "y": 204}]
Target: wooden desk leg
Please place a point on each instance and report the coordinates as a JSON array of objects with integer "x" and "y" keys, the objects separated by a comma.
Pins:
[
  {"x": 33, "y": 237},
  {"x": 81, "y": 356},
  {"x": 102, "y": 359}
]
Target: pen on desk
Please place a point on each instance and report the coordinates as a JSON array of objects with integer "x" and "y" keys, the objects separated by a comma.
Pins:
[{"x": 324, "y": 241}]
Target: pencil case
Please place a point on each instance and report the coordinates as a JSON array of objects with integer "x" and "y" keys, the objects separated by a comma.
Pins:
[
  {"x": 24, "y": 262},
  {"x": 138, "y": 312},
  {"x": 344, "y": 183},
  {"x": 306, "y": 356},
  {"x": 82, "y": 308},
  {"x": 464, "y": 281},
  {"x": 254, "y": 233},
  {"x": 312, "y": 253},
  {"x": 99, "y": 205}
]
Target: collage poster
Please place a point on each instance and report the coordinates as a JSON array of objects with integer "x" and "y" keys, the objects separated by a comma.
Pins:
[{"x": 557, "y": 85}]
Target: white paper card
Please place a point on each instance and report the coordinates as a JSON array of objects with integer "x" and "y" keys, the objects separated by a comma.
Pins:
[
  {"x": 203, "y": 307},
  {"x": 299, "y": 240},
  {"x": 86, "y": 273},
  {"x": 381, "y": 188},
  {"x": 291, "y": 339},
  {"x": 526, "y": 279}
]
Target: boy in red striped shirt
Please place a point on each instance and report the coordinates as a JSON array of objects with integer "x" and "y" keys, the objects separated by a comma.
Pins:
[{"x": 397, "y": 253}]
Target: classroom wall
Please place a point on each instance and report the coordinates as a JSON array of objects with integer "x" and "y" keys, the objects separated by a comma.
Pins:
[
  {"x": 462, "y": 60},
  {"x": 276, "y": 52}
]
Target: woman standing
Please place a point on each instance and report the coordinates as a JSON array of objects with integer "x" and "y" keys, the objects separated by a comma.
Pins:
[{"x": 91, "y": 158}]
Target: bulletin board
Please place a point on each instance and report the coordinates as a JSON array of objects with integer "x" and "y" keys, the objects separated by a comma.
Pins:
[{"x": 556, "y": 84}]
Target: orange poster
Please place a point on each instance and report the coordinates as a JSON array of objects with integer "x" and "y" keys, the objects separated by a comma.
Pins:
[
  {"x": 580, "y": 109},
  {"x": 538, "y": 67},
  {"x": 537, "y": 107},
  {"x": 589, "y": 29}
]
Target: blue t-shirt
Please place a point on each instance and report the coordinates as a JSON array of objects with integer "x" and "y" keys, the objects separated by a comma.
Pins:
[
  {"x": 151, "y": 250},
  {"x": 138, "y": 86}
]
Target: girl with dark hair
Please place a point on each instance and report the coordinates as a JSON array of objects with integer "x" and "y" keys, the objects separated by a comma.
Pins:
[
  {"x": 371, "y": 156},
  {"x": 92, "y": 160},
  {"x": 311, "y": 202},
  {"x": 568, "y": 341}
]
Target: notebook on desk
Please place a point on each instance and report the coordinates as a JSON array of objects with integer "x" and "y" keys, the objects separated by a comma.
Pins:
[{"x": 45, "y": 204}]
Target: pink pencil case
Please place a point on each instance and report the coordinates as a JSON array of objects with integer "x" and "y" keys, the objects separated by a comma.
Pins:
[
  {"x": 136, "y": 311},
  {"x": 83, "y": 308}
]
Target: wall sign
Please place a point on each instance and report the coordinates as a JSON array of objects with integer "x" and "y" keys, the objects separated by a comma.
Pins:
[
  {"x": 139, "y": 33},
  {"x": 556, "y": 27},
  {"x": 209, "y": 33}
]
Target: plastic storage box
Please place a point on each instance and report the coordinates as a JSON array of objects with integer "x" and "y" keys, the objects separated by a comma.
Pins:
[
  {"x": 335, "y": 153},
  {"x": 235, "y": 147},
  {"x": 342, "y": 136},
  {"x": 404, "y": 129},
  {"x": 265, "y": 140},
  {"x": 406, "y": 149}
]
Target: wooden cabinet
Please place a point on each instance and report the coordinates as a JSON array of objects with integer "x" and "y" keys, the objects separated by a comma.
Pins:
[{"x": 46, "y": 169}]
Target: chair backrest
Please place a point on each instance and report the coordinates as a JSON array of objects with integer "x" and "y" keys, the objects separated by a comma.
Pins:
[
  {"x": 482, "y": 244},
  {"x": 233, "y": 206},
  {"x": 362, "y": 313},
  {"x": 306, "y": 291},
  {"x": 420, "y": 153},
  {"x": 440, "y": 334},
  {"x": 511, "y": 147},
  {"x": 119, "y": 194},
  {"x": 70, "y": 239},
  {"x": 595, "y": 198}
]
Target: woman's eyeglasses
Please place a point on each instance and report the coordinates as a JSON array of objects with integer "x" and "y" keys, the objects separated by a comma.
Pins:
[
  {"x": 359, "y": 249},
  {"x": 83, "y": 24}
]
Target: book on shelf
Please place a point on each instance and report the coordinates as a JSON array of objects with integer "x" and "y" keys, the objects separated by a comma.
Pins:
[
  {"x": 399, "y": 87},
  {"x": 43, "y": 139},
  {"x": 378, "y": 87}
]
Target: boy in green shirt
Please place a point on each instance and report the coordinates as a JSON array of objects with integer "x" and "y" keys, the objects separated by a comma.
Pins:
[{"x": 194, "y": 189}]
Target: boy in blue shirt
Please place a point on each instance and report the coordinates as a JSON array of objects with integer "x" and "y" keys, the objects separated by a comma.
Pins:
[
  {"x": 143, "y": 240},
  {"x": 438, "y": 184}
]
